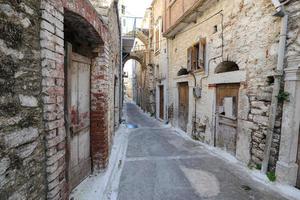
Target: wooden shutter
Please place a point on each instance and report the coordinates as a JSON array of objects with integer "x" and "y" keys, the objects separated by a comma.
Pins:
[
  {"x": 189, "y": 59},
  {"x": 201, "y": 56},
  {"x": 157, "y": 39},
  {"x": 194, "y": 57}
]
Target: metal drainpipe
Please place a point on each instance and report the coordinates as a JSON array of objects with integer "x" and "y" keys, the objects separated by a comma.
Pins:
[
  {"x": 167, "y": 84},
  {"x": 277, "y": 81},
  {"x": 195, "y": 111}
]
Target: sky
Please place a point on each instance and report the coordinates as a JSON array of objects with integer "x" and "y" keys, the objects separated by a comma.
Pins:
[{"x": 137, "y": 7}]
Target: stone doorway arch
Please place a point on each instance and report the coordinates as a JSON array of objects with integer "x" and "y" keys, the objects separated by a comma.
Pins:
[{"x": 59, "y": 21}]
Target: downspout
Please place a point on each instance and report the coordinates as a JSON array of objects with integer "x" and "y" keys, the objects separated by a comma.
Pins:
[
  {"x": 277, "y": 81},
  {"x": 195, "y": 106},
  {"x": 167, "y": 85}
]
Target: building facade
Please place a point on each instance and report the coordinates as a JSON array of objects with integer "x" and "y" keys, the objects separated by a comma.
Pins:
[
  {"x": 228, "y": 81},
  {"x": 60, "y": 94}
]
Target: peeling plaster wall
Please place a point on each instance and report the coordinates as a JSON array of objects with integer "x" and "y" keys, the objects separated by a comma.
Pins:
[{"x": 22, "y": 150}]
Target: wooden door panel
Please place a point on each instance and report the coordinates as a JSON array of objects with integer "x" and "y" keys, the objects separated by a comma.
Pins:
[
  {"x": 84, "y": 145},
  {"x": 227, "y": 109},
  {"x": 183, "y": 105},
  {"x": 74, "y": 151},
  {"x": 79, "y": 119},
  {"x": 161, "y": 102}
]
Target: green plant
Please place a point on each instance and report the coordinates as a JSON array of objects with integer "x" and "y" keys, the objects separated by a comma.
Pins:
[
  {"x": 283, "y": 96},
  {"x": 194, "y": 137},
  {"x": 258, "y": 166},
  {"x": 271, "y": 176}
]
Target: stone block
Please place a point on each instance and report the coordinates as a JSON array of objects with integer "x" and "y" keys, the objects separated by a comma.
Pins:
[
  {"x": 21, "y": 137},
  {"x": 28, "y": 101},
  {"x": 27, "y": 150},
  {"x": 4, "y": 165},
  {"x": 261, "y": 120}
]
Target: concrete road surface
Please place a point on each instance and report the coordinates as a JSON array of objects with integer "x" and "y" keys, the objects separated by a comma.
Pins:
[{"x": 162, "y": 165}]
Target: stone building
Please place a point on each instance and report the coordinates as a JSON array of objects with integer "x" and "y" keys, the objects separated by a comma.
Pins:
[
  {"x": 159, "y": 59},
  {"x": 60, "y": 94},
  {"x": 229, "y": 76},
  {"x": 143, "y": 70}
]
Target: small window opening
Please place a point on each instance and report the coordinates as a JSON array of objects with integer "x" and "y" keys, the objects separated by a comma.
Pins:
[
  {"x": 215, "y": 28},
  {"x": 270, "y": 80},
  {"x": 226, "y": 66}
]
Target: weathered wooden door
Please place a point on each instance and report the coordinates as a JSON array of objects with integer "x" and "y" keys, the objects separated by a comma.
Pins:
[
  {"x": 78, "y": 118},
  {"x": 161, "y": 102},
  {"x": 183, "y": 114},
  {"x": 227, "y": 109},
  {"x": 298, "y": 162}
]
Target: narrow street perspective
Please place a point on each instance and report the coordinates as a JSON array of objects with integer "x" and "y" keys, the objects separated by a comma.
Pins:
[
  {"x": 149, "y": 100},
  {"x": 160, "y": 164}
]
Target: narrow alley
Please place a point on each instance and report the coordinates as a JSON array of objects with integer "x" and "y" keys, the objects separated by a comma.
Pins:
[
  {"x": 162, "y": 165},
  {"x": 149, "y": 100}
]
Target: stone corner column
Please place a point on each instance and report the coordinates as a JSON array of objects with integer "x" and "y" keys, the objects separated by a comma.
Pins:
[{"x": 286, "y": 167}]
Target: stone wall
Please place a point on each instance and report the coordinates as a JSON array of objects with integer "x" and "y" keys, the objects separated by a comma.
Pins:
[
  {"x": 287, "y": 168},
  {"x": 254, "y": 48},
  {"x": 22, "y": 150},
  {"x": 115, "y": 68}
]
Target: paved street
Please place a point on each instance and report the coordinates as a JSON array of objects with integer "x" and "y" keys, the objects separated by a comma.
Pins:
[{"x": 161, "y": 165}]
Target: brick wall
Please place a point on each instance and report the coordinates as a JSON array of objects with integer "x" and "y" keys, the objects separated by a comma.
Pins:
[
  {"x": 52, "y": 55},
  {"x": 99, "y": 110},
  {"x": 22, "y": 150},
  {"x": 53, "y": 87}
]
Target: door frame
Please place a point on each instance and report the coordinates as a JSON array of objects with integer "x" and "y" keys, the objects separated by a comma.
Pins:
[
  {"x": 161, "y": 94},
  {"x": 217, "y": 114},
  {"x": 189, "y": 79},
  {"x": 188, "y": 106}
]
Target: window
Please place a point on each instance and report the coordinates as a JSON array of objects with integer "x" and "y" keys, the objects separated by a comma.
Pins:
[
  {"x": 202, "y": 54},
  {"x": 123, "y": 9},
  {"x": 196, "y": 56}
]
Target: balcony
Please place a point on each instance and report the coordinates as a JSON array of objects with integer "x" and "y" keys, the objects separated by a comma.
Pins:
[{"x": 180, "y": 13}]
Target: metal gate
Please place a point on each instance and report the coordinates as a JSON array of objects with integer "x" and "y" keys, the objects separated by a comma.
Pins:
[
  {"x": 183, "y": 90},
  {"x": 78, "y": 117},
  {"x": 161, "y": 102},
  {"x": 227, "y": 109}
]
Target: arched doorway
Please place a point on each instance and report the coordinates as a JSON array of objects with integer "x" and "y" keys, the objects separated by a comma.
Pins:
[
  {"x": 227, "y": 96},
  {"x": 81, "y": 39}
]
